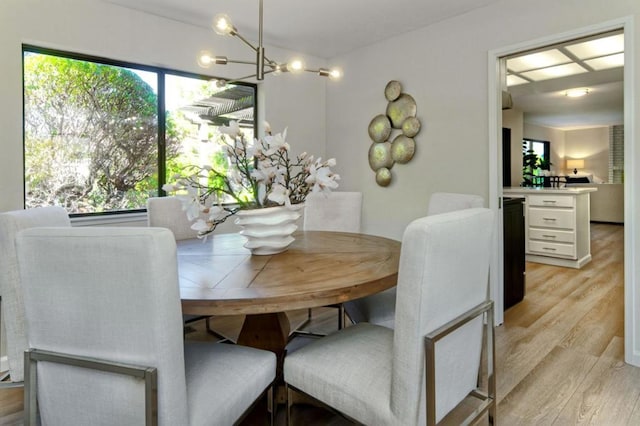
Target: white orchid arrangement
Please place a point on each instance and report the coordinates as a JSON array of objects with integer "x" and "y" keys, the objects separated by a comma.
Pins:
[{"x": 261, "y": 174}]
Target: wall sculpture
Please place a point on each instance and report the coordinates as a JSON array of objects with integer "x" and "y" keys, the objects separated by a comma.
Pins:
[{"x": 393, "y": 133}]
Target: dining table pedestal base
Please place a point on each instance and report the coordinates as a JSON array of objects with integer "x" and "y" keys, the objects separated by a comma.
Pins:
[{"x": 266, "y": 331}]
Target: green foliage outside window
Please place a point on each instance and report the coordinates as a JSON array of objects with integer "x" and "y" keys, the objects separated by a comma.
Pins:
[
  {"x": 90, "y": 135},
  {"x": 91, "y": 131}
]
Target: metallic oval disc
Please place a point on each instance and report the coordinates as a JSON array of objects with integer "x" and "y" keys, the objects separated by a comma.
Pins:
[
  {"x": 401, "y": 109},
  {"x": 392, "y": 90},
  {"x": 402, "y": 149},
  {"x": 383, "y": 176},
  {"x": 410, "y": 127},
  {"x": 380, "y": 128},
  {"x": 380, "y": 156}
]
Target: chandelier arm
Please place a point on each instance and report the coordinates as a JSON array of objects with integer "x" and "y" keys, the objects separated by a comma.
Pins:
[
  {"x": 242, "y": 78},
  {"x": 247, "y": 42},
  {"x": 233, "y": 61}
]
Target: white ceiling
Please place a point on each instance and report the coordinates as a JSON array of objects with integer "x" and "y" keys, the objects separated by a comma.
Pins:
[
  {"x": 331, "y": 28},
  {"x": 324, "y": 28},
  {"x": 544, "y": 102}
]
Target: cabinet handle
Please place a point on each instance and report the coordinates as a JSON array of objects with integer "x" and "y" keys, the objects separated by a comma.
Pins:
[
  {"x": 548, "y": 248},
  {"x": 549, "y": 236},
  {"x": 549, "y": 218},
  {"x": 549, "y": 201}
]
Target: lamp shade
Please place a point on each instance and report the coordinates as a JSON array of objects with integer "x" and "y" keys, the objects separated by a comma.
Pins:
[{"x": 575, "y": 164}]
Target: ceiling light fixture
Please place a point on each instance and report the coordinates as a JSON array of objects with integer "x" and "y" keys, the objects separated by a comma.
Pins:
[
  {"x": 578, "y": 92},
  {"x": 222, "y": 25}
]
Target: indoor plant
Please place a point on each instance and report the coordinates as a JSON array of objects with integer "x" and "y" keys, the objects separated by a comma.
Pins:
[{"x": 260, "y": 174}]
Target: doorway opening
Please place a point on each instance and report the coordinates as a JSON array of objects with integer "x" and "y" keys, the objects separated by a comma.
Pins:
[{"x": 499, "y": 73}]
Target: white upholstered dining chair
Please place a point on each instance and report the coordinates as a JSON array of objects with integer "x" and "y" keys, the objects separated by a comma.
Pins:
[
  {"x": 380, "y": 308},
  {"x": 337, "y": 212},
  {"x": 103, "y": 314},
  {"x": 167, "y": 212},
  {"x": 13, "y": 321},
  {"x": 418, "y": 372}
]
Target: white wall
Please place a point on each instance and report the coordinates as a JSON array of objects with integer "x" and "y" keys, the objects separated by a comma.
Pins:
[
  {"x": 114, "y": 32},
  {"x": 592, "y": 145},
  {"x": 444, "y": 67}
]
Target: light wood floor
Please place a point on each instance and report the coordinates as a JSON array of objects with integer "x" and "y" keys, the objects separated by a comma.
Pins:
[{"x": 560, "y": 356}]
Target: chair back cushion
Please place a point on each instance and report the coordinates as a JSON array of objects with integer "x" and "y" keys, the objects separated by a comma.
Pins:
[
  {"x": 10, "y": 289},
  {"x": 108, "y": 293},
  {"x": 444, "y": 202},
  {"x": 444, "y": 266},
  {"x": 167, "y": 212},
  {"x": 335, "y": 211}
]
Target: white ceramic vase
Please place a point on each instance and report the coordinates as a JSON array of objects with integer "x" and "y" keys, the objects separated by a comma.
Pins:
[{"x": 268, "y": 230}]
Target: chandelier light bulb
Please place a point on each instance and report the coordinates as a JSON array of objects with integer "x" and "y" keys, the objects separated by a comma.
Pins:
[
  {"x": 222, "y": 24},
  {"x": 205, "y": 59},
  {"x": 335, "y": 74},
  {"x": 295, "y": 66}
]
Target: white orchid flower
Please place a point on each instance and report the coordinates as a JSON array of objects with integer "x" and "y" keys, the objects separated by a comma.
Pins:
[
  {"x": 192, "y": 207},
  {"x": 233, "y": 129},
  {"x": 279, "y": 195},
  {"x": 276, "y": 142},
  {"x": 200, "y": 225},
  {"x": 216, "y": 212},
  {"x": 322, "y": 179},
  {"x": 169, "y": 187}
]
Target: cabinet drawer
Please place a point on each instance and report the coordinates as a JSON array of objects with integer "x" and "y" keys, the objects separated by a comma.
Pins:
[
  {"x": 552, "y": 235},
  {"x": 550, "y": 201},
  {"x": 552, "y": 249},
  {"x": 551, "y": 218}
]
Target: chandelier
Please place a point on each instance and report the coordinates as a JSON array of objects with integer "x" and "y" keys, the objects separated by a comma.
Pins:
[{"x": 222, "y": 25}]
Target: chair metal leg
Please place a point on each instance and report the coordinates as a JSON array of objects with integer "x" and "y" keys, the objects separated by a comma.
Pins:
[
  {"x": 288, "y": 403},
  {"x": 488, "y": 398},
  {"x": 274, "y": 405},
  {"x": 341, "y": 316},
  {"x": 30, "y": 386}
]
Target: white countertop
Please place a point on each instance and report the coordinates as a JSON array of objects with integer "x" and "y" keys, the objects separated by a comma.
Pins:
[{"x": 520, "y": 190}]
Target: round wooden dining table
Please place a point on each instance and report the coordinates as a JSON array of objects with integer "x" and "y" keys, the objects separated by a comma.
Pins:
[{"x": 218, "y": 276}]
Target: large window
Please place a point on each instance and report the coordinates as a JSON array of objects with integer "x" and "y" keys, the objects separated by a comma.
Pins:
[
  {"x": 102, "y": 136},
  {"x": 536, "y": 157}
]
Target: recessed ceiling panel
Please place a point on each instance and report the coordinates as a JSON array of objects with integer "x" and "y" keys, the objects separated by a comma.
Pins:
[
  {"x": 554, "y": 72},
  {"x": 598, "y": 47},
  {"x": 606, "y": 62},
  {"x": 533, "y": 61},
  {"x": 514, "y": 80}
]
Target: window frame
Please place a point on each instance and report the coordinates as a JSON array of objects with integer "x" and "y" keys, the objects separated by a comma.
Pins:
[{"x": 161, "y": 73}]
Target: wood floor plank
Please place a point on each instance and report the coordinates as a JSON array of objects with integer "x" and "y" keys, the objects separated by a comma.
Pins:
[
  {"x": 532, "y": 403},
  {"x": 598, "y": 327},
  {"x": 607, "y": 396}
]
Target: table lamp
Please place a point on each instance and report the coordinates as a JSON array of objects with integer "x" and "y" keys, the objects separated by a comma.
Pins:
[{"x": 575, "y": 165}]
